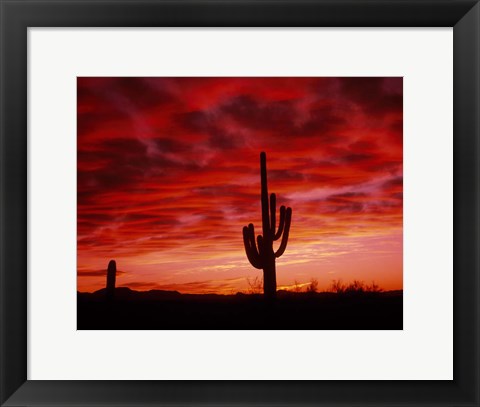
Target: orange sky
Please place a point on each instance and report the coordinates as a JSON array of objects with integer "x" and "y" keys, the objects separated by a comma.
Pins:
[{"x": 168, "y": 175}]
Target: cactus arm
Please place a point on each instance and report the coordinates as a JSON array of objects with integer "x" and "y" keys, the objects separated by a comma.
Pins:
[
  {"x": 286, "y": 231},
  {"x": 256, "y": 252},
  {"x": 281, "y": 224},
  {"x": 251, "y": 235},
  {"x": 250, "y": 248},
  {"x": 264, "y": 195},
  {"x": 260, "y": 244},
  {"x": 273, "y": 210}
]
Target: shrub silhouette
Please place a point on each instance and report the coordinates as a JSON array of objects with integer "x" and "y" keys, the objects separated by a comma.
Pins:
[
  {"x": 297, "y": 287},
  {"x": 313, "y": 286},
  {"x": 111, "y": 276},
  {"x": 263, "y": 256},
  {"x": 337, "y": 287},
  {"x": 255, "y": 286},
  {"x": 355, "y": 287},
  {"x": 374, "y": 288}
]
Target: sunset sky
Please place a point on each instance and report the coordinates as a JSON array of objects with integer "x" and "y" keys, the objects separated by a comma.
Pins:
[{"x": 169, "y": 173}]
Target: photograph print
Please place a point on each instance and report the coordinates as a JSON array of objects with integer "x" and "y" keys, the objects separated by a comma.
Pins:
[{"x": 240, "y": 203}]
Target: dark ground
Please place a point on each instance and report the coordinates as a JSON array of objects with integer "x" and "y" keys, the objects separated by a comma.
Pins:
[{"x": 172, "y": 310}]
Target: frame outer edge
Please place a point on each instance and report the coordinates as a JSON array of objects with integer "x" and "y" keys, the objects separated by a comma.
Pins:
[
  {"x": 13, "y": 206},
  {"x": 466, "y": 113},
  {"x": 13, "y": 288}
]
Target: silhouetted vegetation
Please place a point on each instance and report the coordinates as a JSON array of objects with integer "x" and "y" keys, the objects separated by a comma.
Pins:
[
  {"x": 111, "y": 277},
  {"x": 313, "y": 286},
  {"x": 354, "y": 287},
  {"x": 255, "y": 285},
  {"x": 264, "y": 256},
  {"x": 297, "y": 287},
  {"x": 303, "y": 310}
]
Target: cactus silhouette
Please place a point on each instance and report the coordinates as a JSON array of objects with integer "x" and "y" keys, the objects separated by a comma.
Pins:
[
  {"x": 261, "y": 254},
  {"x": 111, "y": 276}
]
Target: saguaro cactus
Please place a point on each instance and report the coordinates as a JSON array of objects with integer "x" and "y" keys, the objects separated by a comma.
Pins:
[
  {"x": 111, "y": 276},
  {"x": 263, "y": 256}
]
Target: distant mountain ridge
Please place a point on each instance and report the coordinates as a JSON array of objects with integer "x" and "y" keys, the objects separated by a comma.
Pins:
[{"x": 125, "y": 293}]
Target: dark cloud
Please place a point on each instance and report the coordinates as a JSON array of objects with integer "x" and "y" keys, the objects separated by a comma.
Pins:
[
  {"x": 282, "y": 117},
  {"x": 209, "y": 124},
  {"x": 345, "y": 207},
  {"x": 271, "y": 116},
  {"x": 123, "y": 163},
  {"x": 285, "y": 175},
  {"x": 108, "y": 104},
  {"x": 233, "y": 191},
  {"x": 397, "y": 127},
  {"x": 347, "y": 195},
  {"x": 374, "y": 95},
  {"x": 98, "y": 118},
  {"x": 195, "y": 121},
  {"x": 364, "y": 146},
  {"x": 391, "y": 166},
  {"x": 323, "y": 122},
  {"x": 96, "y": 273},
  {"x": 170, "y": 145},
  {"x": 357, "y": 158},
  {"x": 394, "y": 182},
  {"x": 138, "y": 91},
  {"x": 223, "y": 140}
]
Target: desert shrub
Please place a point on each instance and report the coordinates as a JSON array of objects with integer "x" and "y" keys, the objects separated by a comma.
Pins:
[
  {"x": 313, "y": 286},
  {"x": 373, "y": 288},
  {"x": 356, "y": 287},
  {"x": 337, "y": 287},
  {"x": 297, "y": 287},
  {"x": 255, "y": 285}
]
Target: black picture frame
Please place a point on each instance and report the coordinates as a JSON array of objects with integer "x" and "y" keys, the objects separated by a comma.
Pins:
[{"x": 18, "y": 15}]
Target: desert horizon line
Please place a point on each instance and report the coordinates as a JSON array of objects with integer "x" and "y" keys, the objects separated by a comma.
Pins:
[{"x": 204, "y": 287}]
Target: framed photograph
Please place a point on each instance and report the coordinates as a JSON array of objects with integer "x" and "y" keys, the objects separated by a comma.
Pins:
[{"x": 239, "y": 203}]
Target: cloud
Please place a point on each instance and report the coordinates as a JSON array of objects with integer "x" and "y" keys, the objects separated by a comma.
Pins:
[
  {"x": 138, "y": 91},
  {"x": 96, "y": 273},
  {"x": 394, "y": 182},
  {"x": 356, "y": 158},
  {"x": 374, "y": 95},
  {"x": 283, "y": 118},
  {"x": 345, "y": 195}
]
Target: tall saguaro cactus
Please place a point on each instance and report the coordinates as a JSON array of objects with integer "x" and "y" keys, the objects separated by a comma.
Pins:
[
  {"x": 111, "y": 276},
  {"x": 261, "y": 254}
]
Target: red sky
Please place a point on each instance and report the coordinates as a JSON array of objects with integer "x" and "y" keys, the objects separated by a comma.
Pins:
[{"x": 168, "y": 175}]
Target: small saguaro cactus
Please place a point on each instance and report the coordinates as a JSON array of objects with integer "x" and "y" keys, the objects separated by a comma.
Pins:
[
  {"x": 111, "y": 276},
  {"x": 263, "y": 256}
]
